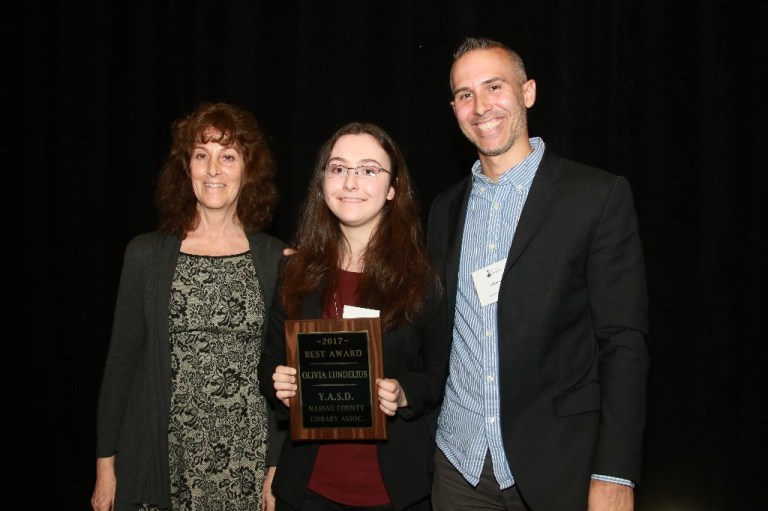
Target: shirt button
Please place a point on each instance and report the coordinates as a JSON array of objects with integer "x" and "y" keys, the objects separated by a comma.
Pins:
[
  {"x": 489, "y": 333},
  {"x": 491, "y": 419},
  {"x": 489, "y": 378},
  {"x": 492, "y": 245},
  {"x": 496, "y": 205}
]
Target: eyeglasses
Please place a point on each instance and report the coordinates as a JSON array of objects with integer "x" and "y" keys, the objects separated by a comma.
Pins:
[{"x": 362, "y": 171}]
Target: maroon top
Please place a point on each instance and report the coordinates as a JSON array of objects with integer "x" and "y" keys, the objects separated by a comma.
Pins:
[{"x": 348, "y": 473}]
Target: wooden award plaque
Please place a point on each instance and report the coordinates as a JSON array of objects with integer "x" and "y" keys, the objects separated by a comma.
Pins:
[{"x": 337, "y": 363}]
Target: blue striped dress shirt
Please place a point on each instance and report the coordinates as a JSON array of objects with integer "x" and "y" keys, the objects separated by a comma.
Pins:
[{"x": 468, "y": 425}]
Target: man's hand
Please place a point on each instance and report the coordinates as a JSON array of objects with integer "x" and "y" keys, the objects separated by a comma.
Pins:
[{"x": 607, "y": 496}]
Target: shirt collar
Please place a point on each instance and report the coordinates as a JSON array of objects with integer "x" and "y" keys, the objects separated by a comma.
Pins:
[{"x": 520, "y": 174}]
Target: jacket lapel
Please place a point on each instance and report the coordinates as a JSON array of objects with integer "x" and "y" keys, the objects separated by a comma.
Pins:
[
  {"x": 457, "y": 210},
  {"x": 541, "y": 198}
]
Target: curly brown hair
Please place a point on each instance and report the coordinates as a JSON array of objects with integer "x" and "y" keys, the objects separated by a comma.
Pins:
[
  {"x": 227, "y": 125},
  {"x": 397, "y": 270}
]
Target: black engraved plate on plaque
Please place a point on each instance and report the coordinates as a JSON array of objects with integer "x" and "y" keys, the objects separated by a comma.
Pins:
[{"x": 338, "y": 361}]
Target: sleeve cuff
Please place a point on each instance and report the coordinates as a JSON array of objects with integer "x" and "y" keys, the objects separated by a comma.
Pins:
[{"x": 616, "y": 480}]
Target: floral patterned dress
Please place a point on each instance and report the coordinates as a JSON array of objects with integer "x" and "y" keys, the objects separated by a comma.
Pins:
[{"x": 217, "y": 436}]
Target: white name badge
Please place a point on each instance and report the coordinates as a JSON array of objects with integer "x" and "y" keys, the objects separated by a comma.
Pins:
[
  {"x": 351, "y": 312},
  {"x": 487, "y": 282}
]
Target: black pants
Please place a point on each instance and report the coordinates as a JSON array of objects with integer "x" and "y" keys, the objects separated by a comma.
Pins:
[
  {"x": 314, "y": 502},
  {"x": 450, "y": 491}
]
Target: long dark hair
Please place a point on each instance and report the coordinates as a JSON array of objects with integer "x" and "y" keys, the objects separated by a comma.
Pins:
[
  {"x": 397, "y": 272},
  {"x": 228, "y": 125}
]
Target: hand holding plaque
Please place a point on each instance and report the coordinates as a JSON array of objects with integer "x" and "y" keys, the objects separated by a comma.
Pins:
[{"x": 337, "y": 363}]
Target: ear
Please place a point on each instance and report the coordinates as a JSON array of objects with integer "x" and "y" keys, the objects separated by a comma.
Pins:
[
  {"x": 529, "y": 93},
  {"x": 453, "y": 106},
  {"x": 391, "y": 193}
]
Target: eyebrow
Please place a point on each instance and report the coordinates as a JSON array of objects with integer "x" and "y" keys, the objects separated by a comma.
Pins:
[
  {"x": 493, "y": 79},
  {"x": 360, "y": 162},
  {"x": 487, "y": 81}
]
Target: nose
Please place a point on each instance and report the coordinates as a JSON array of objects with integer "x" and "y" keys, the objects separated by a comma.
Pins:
[
  {"x": 482, "y": 104},
  {"x": 213, "y": 169},
  {"x": 350, "y": 180}
]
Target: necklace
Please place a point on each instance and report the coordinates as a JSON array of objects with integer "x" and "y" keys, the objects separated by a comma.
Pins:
[{"x": 336, "y": 305}]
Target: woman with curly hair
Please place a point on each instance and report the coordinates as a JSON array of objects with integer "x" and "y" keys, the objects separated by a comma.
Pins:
[{"x": 181, "y": 423}]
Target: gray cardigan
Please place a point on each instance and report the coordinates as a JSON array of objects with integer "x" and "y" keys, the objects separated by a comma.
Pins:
[{"x": 135, "y": 398}]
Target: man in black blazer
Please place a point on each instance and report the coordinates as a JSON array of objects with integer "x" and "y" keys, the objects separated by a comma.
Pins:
[{"x": 542, "y": 262}]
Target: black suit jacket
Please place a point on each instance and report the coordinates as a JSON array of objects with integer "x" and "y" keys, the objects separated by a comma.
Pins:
[{"x": 572, "y": 324}]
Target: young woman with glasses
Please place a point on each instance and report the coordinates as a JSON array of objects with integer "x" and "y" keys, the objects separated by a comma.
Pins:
[{"x": 359, "y": 242}]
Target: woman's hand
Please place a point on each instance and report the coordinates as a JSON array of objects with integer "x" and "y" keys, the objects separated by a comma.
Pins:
[
  {"x": 267, "y": 497},
  {"x": 103, "y": 498},
  {"x": 284, "y": 379},
  {"x": 391, "y": 395}
]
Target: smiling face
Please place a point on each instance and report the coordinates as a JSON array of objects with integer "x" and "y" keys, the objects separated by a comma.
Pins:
[
  {"x": 216, "y": 172},
  {"x": 490, "y": 101},
  {"x": 358, "y": 202}
]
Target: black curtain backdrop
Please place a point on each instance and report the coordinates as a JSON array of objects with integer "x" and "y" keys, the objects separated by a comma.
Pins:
[{"x": 670, "y": 94}]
